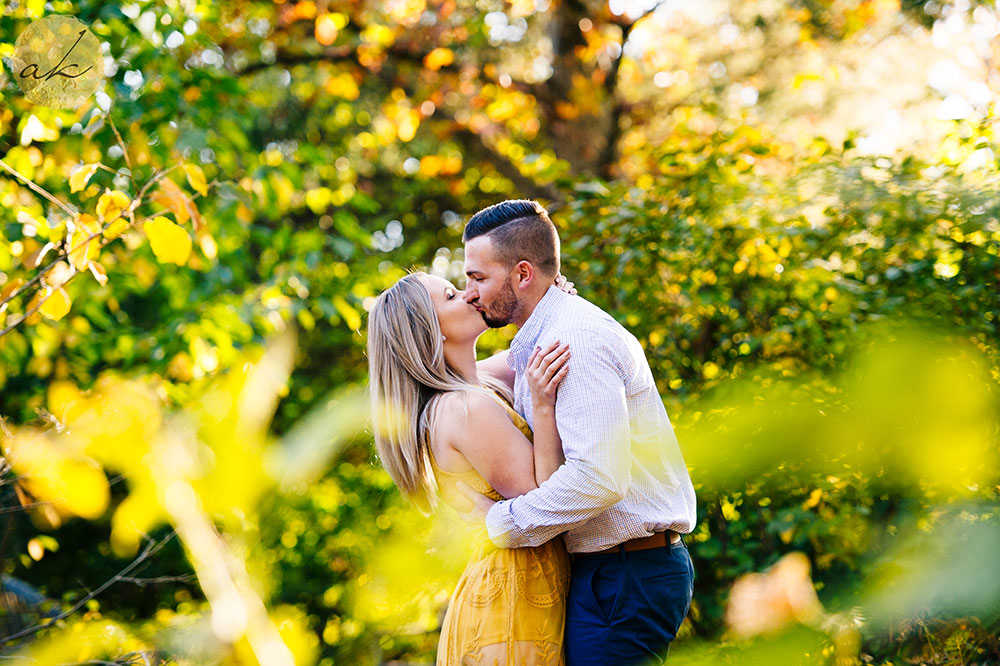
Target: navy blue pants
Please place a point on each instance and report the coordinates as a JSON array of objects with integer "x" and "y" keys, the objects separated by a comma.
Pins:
[{"x": 624, "y": 608}]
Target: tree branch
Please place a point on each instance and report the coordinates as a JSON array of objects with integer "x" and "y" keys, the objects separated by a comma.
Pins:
[
  {"x": 609, "y": 154},
  {"x": 287, "y": 58},
  {"x": 475, "y": 144},
  {"x": 143, "y": 582},
  {"x": 133, "y": 204},
  {"x": 284, "y": 58},
  {"x": 151, "y": 549},
  {"x": 31, "y": 185},
  {"x": 22, "y": 507}
]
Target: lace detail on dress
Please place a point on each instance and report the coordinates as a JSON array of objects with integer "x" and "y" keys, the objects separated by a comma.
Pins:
[
  {"x": 509, "y": 607},
  {"x": 557, "y": 594},
  {"x": 497, "y": 580}
]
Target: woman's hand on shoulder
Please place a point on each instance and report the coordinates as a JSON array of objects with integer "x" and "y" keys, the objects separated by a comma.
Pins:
[
  {"x": 564, "y": 284},
  {"x": 546, "y": 368}
]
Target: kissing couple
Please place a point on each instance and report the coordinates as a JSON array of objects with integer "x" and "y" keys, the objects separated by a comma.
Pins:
[{"x": 560, "y": 445}]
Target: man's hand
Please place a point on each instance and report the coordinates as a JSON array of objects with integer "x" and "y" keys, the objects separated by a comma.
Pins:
[{"x": 480, "y": 505}]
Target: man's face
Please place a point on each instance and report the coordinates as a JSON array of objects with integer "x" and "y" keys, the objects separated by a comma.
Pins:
[{"x": 489, "y": 288}]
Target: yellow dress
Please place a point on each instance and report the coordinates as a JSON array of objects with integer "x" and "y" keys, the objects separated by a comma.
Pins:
[{"x": 509, "y": 607}]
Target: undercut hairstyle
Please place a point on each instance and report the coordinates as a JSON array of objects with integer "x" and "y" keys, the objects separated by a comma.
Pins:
[{"x": 520, "y": 230}]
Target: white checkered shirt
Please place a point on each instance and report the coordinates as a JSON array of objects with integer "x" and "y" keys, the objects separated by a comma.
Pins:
[{"x": 624, "y": 475}]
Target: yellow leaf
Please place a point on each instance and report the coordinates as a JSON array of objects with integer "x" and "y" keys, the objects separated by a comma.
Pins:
[
  {"x": 35, "y": 316},
  {"x": 307, "y": 319},
  {"x": 814, "y": 497},
  {"x": 99, "y": 273},
  {"x": 74, "y": 484},
  {"x": 27, "y": 249},
  {"x": 181, "y": 367},
  {"x": 430, "y": 165},
  {"x": 378, "y": 34},
  {"x": 438, "y": 58},
  {"x": 196, "y": 179},
  {"x": 94, "y": 126},
  {"x": 206, "y": 360},
  {"x": 567, "y": 110},
  {"x": 82, "y": 250},
  {"x": 171, "y": 243},
  {"x": 409, "y": 121},
  {"x": 59, "y": 274},
  {"x": 729, "y": 511},
  {"x": 170, "y": 196},
  {"x": 56, "y": 306},
  {"x": 121, "y": 419},
  {"x": 36, "y": 130},
  {"x": 135, "y": 517},
  {"x": 35, "y": 549},
  {"x": 305, "y": 9},
  {"x": 81, "y": 176},
  {"x": 115, "y": 229},
  {"x": 318, "y": 199},
  {"x": 9, "y": 288},
  {"x": 293, "y": 627},
  {"x": 65, "y": 400},
  {"x": 111, "y": 204},
  {"x": 44, "y": 516},
  {"x": 83, "y": 485},
  {"x": 207, "y": 244},
  {"x": 343, "y": 85},
  {"x": 326, "y": 30},
  {"x": 347, "y": 311}
]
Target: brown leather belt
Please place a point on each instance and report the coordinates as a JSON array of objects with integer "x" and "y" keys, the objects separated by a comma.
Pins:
[{"x": 655, "y": 540}]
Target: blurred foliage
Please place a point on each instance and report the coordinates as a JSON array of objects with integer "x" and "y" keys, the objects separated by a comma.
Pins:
[
  {"x": 822, "y": 323},
  {"x": 828, "y": 342}
]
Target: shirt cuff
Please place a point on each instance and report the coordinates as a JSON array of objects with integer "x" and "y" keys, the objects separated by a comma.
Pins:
[{"x": 500, "y": 526}]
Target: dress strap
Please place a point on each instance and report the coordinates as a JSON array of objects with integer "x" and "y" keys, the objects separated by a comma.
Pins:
[{"x": 518, "y": 420}]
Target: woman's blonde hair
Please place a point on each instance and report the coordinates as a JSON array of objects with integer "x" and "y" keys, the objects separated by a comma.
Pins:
[{"x": 407, "y": 371}]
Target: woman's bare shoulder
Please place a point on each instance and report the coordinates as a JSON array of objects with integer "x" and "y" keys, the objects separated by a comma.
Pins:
[
  {"x": 460, "y": 411},
  {"x": 461, "y": 415}
]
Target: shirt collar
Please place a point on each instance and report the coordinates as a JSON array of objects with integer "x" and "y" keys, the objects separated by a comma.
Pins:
[{"x": 527, "y": 336}]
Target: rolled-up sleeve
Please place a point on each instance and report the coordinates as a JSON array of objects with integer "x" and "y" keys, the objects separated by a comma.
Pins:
[{"x": 593, "y": 421}]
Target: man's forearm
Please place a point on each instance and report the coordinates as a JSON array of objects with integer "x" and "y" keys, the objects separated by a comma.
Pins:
[{"x": 571, "y": 496}]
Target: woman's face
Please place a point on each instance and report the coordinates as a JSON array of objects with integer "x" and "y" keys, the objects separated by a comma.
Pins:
[{"x": 459, "y": 320}]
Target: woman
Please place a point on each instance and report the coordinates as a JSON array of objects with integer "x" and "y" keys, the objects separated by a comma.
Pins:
[{"x": 439, "y": 419}]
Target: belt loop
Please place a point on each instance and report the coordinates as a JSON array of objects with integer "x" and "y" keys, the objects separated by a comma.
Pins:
[{"x": 621, "y": 551}]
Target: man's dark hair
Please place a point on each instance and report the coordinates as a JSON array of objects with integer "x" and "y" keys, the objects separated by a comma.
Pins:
[{"x": 520, "y": 230}]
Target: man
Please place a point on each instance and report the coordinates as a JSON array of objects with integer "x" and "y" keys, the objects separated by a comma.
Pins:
[{"x": 623, "y": 496}]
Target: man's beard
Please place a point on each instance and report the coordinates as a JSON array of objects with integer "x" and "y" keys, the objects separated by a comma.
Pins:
[{"x": 503, "y": 309}]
